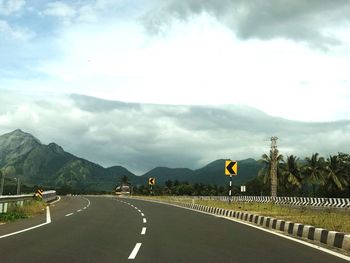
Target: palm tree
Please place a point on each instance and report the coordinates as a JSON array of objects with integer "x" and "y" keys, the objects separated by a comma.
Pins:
[
  {"x": 291, "y": 172},
  {"x": 314, "y": 171},
  {"x": 334, "y": 174},
  {"x": 265, "y": 171}
]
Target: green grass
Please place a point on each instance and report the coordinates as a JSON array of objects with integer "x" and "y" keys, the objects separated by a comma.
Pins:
[
  {"x": 331, "y": 219},
  {"x": 30, "y": 209}
]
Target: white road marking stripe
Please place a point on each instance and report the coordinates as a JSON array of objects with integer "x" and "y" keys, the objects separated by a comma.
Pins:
[
  {"x": 79, "y": 210},
  {"x": 144, "y": 220},
  {"x": 48, "y": 215},
  {"x": 135, "y": 251},
  {"x": 143, "y": 232},
  {"x": 142, "y": 214},
  {"x": 48, "y": 221},
  {"x": 139, "y": 210},
  {"x": 84, "y": 207},
  {"x": 69, "y": 214}
]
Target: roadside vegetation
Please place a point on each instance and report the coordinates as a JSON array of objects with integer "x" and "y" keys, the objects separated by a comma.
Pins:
[{"x": 30, "y": 209}]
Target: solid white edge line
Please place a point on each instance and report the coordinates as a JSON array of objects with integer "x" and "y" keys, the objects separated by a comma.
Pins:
[
  {"x": 58, "y": 199},
  {"x": 328, "y": 251},
  {"x": 69, "y": 214},
  {"x": 48, "y": 221},
  {"x": 144, "y": 220},
  {"x": 135, "y": 251},
  {"x": 143, "y": 231},
  {"x": 48, "y": 215}
]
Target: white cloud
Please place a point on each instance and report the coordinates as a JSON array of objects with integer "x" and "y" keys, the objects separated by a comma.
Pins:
[
  {"x": 8, "y": 7},
  {"x": 9, "y": 32},
  {"x": 59, "y": 9},
  {"x": 201, "y": 62},
  {"x": 141, "y": 137}
]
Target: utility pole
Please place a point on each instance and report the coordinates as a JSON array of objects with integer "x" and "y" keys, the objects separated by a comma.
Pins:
[
  {"x": 273, "y": 172},
  {"x": 18, "y": 186},
  {"x": 2, "y": 182}
]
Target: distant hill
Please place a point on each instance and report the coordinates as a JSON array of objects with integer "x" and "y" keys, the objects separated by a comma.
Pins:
[
  {"x": 51, "y": 166},
  {"x": 213, "y": 173}
]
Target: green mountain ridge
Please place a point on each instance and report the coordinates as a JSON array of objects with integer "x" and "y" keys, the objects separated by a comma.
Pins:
[{"x": 52, "y": 167}]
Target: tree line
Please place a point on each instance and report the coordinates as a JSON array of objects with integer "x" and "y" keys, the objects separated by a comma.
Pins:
[{"x": 314, "y": 176}]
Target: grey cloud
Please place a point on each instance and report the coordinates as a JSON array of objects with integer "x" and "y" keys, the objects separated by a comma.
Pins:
[
  {"x": 298, "y": 20},
  {"x": 143, "y": 136}
]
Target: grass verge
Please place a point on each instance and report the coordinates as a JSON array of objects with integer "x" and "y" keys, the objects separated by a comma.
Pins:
[
  {"x": 29, "y": 209},
  {"x": 331, "y": 219}
]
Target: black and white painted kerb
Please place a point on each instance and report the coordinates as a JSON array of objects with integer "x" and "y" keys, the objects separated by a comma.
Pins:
[
  {"x": 295, "y": 201},
  {"x": 331, "y": 238}
]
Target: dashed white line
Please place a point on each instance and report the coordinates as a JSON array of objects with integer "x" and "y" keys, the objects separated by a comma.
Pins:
[
  {"x": 69, "y": 214},
  {"x": 144, "y": 220},
  {"x": 142, "y": 214},
  {"x": 135, "y": 251},
  {"x": 79, "y": 210},
  {"x": 139, "y": 210},
  {"x": 143, "y": 232}
]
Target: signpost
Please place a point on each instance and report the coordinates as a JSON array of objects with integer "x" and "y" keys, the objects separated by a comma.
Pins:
[
  {"x": 151, "y": 182},
  {"x": 230, "y": 170}
]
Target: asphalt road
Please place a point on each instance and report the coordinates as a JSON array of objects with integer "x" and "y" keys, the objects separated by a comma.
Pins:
[{"x": 108, "y": 230}]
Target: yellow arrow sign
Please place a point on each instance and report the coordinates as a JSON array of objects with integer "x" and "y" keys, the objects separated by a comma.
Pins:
[
  {"x": 231, "y": 167},
  {"x": 152, "y": 181}
]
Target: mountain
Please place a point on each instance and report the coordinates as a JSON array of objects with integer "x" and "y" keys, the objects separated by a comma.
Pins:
[
  {"x": 49, "y": 165},
  {"x": 52, "y": 167},
  {"x": 163, "y": 174},
  {"x": 213, "y": 173}
]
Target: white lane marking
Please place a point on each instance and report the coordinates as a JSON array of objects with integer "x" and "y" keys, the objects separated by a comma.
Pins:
[
  {"x": 48, "y": 221},
  {"x": 139, "y": 210},
  {"x": 142, "y": 214},
  {"x": 144, "y": 220},
  {"x": 69, "y": 214},
  {"x": 58, "y": 199},
  {"x": 135, "y": 251},
  {"x": 48, "y": 215},
  {"x": 84, "y": 208},
  {"x": 79, "y": 210},
  {"x": 143, "y": 232}
]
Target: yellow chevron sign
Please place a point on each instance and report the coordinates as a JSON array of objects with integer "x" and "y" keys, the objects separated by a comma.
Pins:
[
  {"x": 231, "y": 167},
  {"x": 152, "y": 181},
  {"x": 39, "y": 193}
]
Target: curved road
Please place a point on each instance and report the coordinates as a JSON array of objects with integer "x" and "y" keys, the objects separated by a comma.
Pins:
[{"x": 100, "y": 229}]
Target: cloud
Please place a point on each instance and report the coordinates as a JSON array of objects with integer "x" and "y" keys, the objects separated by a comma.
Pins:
[
  {"x": 143, "y": 136},
  {"x": 8, "y": 7},
  {"x": 59, "y": 9},
  {"x": 18, "y": 33},
  {"x": 308, "y": 21}
]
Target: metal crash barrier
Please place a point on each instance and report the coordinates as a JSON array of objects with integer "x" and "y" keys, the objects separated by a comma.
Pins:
[{"x": 7, "y": 201}]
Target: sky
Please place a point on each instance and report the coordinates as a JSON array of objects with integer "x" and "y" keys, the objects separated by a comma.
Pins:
[{"x": 177, "y": 83}]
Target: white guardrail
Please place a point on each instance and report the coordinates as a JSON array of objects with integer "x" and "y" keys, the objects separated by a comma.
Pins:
[
  {"x": 294, "y": 201},
  {"x": 9, "y": 200}
]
